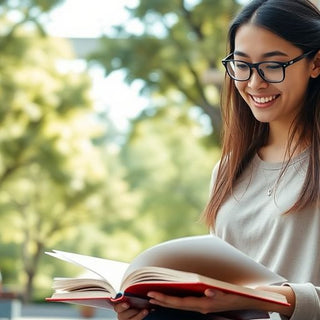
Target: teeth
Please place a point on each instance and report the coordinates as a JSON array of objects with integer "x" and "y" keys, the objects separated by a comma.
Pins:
[{"x": 263, "y": 99}]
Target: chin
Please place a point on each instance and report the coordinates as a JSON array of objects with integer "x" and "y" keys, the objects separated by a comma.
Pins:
[{"x": 262, "y": 118}]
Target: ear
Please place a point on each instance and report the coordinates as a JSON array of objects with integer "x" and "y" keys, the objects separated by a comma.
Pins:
[{"x": 315, "y": 71}]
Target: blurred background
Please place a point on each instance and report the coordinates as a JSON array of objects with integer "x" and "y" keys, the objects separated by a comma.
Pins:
[{"x": 110, "y": 127}]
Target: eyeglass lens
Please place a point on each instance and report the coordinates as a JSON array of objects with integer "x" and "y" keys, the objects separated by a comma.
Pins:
[{"x": 269, "y": 71}]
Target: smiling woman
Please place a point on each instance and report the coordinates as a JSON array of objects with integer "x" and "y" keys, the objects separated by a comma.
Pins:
[{"x": 275, "y": 92}]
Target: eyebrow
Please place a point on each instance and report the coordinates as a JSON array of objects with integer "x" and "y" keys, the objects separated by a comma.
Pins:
[{"x": 265, "y": 55}]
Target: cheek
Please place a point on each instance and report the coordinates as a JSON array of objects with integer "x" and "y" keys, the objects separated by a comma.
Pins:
[
  {"x": 296, "y": 81},
  {"x": 240, "y": 86},
  {"x": 294, "y": 89}
]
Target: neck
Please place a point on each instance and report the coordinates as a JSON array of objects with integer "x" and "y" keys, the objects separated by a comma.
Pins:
[{"x": 277, "y": 148}]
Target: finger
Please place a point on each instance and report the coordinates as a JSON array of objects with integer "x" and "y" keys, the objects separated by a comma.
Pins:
[
  {"x": 159, "y": 298},
  {"x": 210, "y": 293},
  {"x": 120, "y": 307},
  {"x": 186, "y": 303},
  {"x": 133, "y": 314},
  {"x": 125, "y": 312}
]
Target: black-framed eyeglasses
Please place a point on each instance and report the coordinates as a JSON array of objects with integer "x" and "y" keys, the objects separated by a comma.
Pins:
[{"x": 269, "y": 71}]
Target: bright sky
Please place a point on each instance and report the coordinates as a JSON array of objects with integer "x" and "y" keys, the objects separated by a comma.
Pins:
[
  {"x": 90, "y": 18},
  {"x": 87, "y": 18}
]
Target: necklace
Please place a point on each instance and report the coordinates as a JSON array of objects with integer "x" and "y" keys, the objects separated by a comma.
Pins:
[{"x": 270, "y": 186}]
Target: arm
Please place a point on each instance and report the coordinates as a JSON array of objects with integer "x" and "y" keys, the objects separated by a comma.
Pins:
[
  {"x": 304, "y": 301},
  {"x": 307, "y": 301},
  {"x": 288, "y": 293},
  {"x": 218, "y": 301}
]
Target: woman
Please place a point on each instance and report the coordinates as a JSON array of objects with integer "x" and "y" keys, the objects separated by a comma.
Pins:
[{"x": 266, "y": 189}]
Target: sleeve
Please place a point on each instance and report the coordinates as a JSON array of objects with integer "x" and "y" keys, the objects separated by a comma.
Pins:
[
  {"x": 277, "y": 316},
  {"x": 213, "y": 177},
  {"x": 211, "y": 185},
  {"x": 307, "y": 301}
]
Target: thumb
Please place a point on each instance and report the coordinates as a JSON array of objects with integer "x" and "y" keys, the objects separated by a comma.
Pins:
[{"x": 210, "y": 293}]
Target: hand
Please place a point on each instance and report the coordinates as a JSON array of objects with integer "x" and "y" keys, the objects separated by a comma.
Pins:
[
  {"x": 212, "y": 301},
  {"x": 125, "y": 312}
]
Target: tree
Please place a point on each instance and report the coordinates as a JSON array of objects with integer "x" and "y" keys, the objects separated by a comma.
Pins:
[
  {"x": 177, "y": 44},
  {"x": 172, "y": 173},
  {"x": 25, "y": 12},
  {"x": 59, "y": 182},
  {"x": 14, "y": 44},
  {"x": 49, "y": 167}
]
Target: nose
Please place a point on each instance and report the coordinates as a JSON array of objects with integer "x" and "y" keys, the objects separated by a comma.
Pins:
[{"x": 256, "y": 81}]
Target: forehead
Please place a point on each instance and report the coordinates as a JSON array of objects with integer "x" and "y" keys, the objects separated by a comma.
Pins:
[{"x": 256, "y": 41}]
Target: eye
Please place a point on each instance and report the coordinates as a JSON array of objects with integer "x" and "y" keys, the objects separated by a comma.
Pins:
[
  {"x": 240, "y": 65},
  {"x": 273, "y": 66}
]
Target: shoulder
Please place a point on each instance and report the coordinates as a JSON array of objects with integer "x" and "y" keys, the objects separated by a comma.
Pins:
[{"x": 214, "y": 174}]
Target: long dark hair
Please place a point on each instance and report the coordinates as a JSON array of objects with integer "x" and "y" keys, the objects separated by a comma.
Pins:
[{"x": 297, "y": 21}]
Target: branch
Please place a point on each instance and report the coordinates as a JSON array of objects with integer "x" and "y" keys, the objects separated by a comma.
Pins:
[
  {"x": 188, "y": 18},
  {"x": 212, "y": 111}
]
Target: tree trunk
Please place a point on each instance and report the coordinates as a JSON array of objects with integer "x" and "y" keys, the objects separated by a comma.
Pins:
[{"x": 31, "y": 265}]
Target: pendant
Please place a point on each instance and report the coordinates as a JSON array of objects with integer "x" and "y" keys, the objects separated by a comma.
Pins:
[{"x": 269, "y": 193}]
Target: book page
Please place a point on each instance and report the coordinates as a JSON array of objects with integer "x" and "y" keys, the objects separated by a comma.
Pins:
[
  {"x": 206, "y": 255},
  {"x": 110, "y": 270},
  {"x": 181, "y": 283},
  {"x": 82, "y": 284}
]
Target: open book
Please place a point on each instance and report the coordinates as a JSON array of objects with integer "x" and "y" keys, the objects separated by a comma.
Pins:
[{"x": 180, "y": 267}]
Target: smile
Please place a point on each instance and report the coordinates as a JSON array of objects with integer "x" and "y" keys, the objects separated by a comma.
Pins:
[{"x": 264, "y": 99}]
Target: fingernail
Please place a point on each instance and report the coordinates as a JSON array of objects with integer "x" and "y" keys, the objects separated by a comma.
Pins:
[
  {"x": 145, "y": 312},
  {"x": 210, "y": 293},
  {"x": 125, "y": 306}
]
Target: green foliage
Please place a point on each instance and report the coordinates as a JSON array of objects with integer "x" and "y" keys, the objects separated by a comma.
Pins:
[
  {"x": 25, "y": 13},
  {"x": 166, "y": 157},
  {"x": 9, "y": 251},
  {"x": 65, "y": 180},
  {"x": 178, "y": 45},
  {"x": 49, "y": 167}
]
